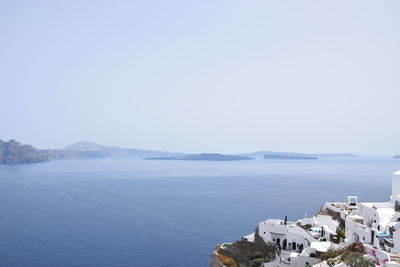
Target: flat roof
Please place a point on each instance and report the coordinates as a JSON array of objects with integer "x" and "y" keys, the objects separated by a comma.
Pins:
[
  {"x": 278, "y": 222},
  {"x": 321, "y": 246},
  {"x": 274, "y": 221}
]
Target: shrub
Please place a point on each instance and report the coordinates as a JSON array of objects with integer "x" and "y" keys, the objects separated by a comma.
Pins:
[
  {"x": 356, "y": 247},
  {"x": 270, "y": 256},
  {"x": 341, "y": 233},
  {"x": 357, "y": 259},
  {"x": 332, "y": 254},
  {"x": 257, "y": 255},
  {"x": 257, "y": 262}
]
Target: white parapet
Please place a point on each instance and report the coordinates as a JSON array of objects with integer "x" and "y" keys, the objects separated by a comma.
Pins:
[{"x": 392, "y": 264}]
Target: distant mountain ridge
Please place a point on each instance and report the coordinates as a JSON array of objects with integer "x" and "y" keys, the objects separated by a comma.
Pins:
[
  {"x": 86, "y": 145},
  {"x": 397, "y": 157},
  {"x": 12, "y": 152},
  {"x": 93, "y": 150}
]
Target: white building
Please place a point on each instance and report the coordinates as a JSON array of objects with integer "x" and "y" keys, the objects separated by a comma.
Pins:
[
  {"x": 286, "y": 235},
  {"x": 375, "y": 224}
]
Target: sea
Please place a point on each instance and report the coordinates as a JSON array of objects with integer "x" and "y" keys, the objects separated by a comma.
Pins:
[{"x": 132, "y": 212}]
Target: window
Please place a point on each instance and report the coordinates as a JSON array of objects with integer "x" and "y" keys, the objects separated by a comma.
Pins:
[
  {"x": 398, "y": 219},
  {"x": 264, "y": 233},
  {"x": 379, "y": 228},
  {"x": 363, "y": 238}
]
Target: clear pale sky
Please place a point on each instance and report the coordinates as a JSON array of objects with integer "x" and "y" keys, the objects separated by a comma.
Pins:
[{"x": 203, "y": 76}]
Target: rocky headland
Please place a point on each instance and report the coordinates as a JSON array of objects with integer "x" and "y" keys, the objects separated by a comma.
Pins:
[
  {"x": 13, "y": 152},
  {"x": 243, "y": 253}
]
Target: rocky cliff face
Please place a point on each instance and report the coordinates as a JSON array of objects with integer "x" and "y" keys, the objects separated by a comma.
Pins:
[
  {"x": 215, "y": 261},
  {"x": 242, "y": 254},
  {"x": 12, "y": 152}
]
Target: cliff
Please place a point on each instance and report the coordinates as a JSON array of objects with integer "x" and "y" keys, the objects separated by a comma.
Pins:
[
  {"x": 242, "y": 254},
  {"x": 12, "y": 152}
]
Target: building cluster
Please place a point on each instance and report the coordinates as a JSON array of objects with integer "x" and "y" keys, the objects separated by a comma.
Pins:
[{"x": 336, "y": 226}]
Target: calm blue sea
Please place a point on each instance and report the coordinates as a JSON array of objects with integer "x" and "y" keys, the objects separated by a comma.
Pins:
[{"x": 125, "y": 213}]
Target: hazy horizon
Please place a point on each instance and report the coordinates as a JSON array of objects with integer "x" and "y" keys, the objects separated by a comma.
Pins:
[
  {"x": 208, "y": 76},
  {"x": 212, "y": 151}
]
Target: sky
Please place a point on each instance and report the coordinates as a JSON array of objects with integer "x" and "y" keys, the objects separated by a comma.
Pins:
[{"x": 202, "y": 76}]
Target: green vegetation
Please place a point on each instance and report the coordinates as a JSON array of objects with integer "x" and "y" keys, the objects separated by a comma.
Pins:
[
  {"x": 357, "y": 259},
  {"x": 332, "y": 253},
  {"x": 257, "y": 262},
  {"x": 306, "y": 227},
  {"x": 341, "y": 234},
  {"x": 257, "y": 255},
  {"x": 353, "y": 256},
  {"x": 257, "y": 259}
]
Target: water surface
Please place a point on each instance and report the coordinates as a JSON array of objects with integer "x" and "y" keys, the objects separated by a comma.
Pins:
[{"x": 120, "y": 212}]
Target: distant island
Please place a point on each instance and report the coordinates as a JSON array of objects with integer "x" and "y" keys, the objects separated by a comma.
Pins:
[
  {"x": 275, "y": 156},
  {"x": 397, "y": 157},
  {"x": 203, "y": 156},
  {"x": 12, "y": 152}
]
